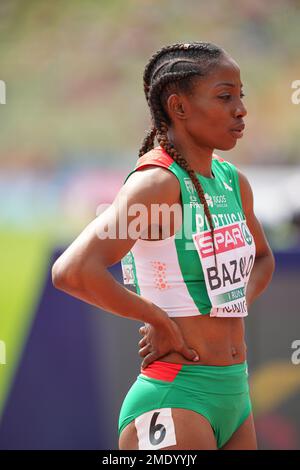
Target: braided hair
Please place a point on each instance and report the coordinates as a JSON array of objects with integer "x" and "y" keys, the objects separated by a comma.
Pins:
[{"x": 176, "y": 68}]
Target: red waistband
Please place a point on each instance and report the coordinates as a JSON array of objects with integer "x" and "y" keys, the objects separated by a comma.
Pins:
[{"x": 162, "y": 370}]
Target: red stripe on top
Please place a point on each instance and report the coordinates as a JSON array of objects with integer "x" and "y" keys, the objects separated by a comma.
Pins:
[
  {"x": 162, "y": 370},
  {"x": 158, "y": 156}
]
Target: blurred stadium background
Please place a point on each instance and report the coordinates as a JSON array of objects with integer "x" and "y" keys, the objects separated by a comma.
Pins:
[{"x": 74, "y": 118}]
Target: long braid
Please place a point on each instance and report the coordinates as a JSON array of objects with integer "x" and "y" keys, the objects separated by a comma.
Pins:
[
  {"x": 148, "y": 142},
  {"x": 164, "y": 142},
  {"x": 195, "y": 60}
]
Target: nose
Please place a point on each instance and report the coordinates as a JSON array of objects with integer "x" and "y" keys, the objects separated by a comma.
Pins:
[{"x": 240, "y": 110}]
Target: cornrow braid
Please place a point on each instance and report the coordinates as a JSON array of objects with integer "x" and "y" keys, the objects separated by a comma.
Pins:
[
  {"x": 162, "y": 137},
  {"x": 190, "y": 60},
  {"x": 155, "y": 57},
  {"x": 148, "y": 142}
]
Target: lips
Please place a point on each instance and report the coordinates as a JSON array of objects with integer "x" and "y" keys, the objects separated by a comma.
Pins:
[{"x": 238, "y": 130}]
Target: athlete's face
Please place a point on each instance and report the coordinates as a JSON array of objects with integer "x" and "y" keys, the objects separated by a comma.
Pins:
[{"x": 213, "y": 114}]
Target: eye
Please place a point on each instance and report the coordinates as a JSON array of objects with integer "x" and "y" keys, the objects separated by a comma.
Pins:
[
  {"x": 225, "y": 97},
  {"x": 228, "y": 96}
]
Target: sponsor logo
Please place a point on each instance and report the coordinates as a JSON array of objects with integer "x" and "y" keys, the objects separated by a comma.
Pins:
[
  {"x": 127, "y": 269},
  {"x": 191, "y": 189},
  {"x": 247, "y": 234},
  {"x": 195, "y": 204},
  {"x": 226, "y": 238},
  {"x": 209, "y": 200},
  {"x": 218, "y": 200},
  {"x": 128, "y": 274}
]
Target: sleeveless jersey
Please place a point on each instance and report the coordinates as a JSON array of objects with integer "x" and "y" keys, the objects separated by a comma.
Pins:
[{"x": 178, "y": 273}]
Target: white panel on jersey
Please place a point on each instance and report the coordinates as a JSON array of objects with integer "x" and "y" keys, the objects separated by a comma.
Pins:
[
  {"x": 155, "y": 429},
  {"x": 160, "y": 279}
]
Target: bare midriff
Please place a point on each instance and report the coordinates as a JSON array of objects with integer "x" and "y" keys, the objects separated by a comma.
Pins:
[{"x": 218, "y": 341}]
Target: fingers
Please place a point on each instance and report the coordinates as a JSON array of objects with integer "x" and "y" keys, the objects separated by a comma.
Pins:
[
  {"x": 189, "y": 354},
  {"x": 145, "y": 350},
  {"x": 142, "y": 342},
  {"x": 142, "y": 330},
  {"x": 148, "y": 359}
]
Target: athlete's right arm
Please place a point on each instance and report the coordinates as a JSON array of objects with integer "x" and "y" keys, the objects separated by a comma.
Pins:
[{"x": 81, "y": 270}]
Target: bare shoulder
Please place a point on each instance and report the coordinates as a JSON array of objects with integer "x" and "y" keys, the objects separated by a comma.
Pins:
[
  {"x": 153, "y": 184},
  {"x": 114, "y": 231}
]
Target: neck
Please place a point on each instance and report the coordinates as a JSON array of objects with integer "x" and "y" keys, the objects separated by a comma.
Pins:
[{"x": 199, "y": 158}]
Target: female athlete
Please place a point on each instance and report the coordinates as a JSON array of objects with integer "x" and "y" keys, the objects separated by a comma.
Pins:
[{"x": 196, "y": 254}]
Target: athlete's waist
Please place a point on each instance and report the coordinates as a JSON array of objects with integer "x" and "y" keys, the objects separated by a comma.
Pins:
[
  {"x": 207, "y": 358},
  {"x": 231, "y": 378},
  {"x": 168, "y": 365}
]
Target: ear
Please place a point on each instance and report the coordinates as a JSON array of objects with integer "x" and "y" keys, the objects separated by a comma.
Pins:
[{"x": 177, "y": 106}]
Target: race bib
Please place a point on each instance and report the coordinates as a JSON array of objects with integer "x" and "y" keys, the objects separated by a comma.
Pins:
[{"x": 226, "y": 284}]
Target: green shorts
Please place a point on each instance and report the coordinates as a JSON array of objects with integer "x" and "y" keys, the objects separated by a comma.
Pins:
[{"x": 220, "y": 393}]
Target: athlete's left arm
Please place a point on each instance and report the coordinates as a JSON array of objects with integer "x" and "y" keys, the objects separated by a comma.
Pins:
[{"x": 264, "y": 264}]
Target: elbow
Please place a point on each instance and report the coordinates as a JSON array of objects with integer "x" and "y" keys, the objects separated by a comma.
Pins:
[
  {"x": 63, "y": 277},
  {"x": 57, "y": 275}
]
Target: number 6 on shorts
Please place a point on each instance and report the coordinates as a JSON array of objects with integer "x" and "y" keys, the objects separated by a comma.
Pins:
[{"x": 155, "y": 429}]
